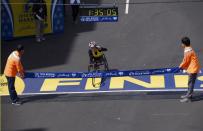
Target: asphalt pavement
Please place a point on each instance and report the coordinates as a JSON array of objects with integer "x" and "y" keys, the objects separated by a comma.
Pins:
[{"x": 147, "y": 37}]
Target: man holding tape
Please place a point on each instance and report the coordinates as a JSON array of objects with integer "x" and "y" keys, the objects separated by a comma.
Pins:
[
  {"x": 12, "y": 68},
  {"x": 191, "y": 64}
]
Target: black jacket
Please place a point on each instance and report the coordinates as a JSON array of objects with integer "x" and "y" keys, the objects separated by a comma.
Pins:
[
  {"x": 99, "y": 48},
  {"x": 39, "y": 9}
]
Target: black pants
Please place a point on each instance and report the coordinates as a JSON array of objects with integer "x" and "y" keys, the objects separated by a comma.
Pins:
[
  {"x": 75, "y": 11},
  {"x": 11, "y": 88},
  {"x": 191, "y": 83}
]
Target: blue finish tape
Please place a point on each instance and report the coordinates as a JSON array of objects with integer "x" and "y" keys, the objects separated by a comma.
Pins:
[{"x": 116, "y": 73}]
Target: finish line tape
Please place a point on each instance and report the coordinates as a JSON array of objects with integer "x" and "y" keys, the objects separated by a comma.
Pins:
[{"x": 102, "y": 74}]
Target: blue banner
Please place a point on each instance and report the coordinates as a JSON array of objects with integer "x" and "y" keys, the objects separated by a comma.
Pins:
[
  {"x": 165, "y": 79},
  {"x": 98, "y": 18},
  {"x": 101, "y": 74}
]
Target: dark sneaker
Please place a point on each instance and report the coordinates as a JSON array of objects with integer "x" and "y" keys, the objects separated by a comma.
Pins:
[
  {"x": 186, "y": 96},
  {"x": 43, "y": 38},
  {"x": 38, "y": 40},
  {"x": 185, "y": 100},
  {"x": 17, "y": 103}
]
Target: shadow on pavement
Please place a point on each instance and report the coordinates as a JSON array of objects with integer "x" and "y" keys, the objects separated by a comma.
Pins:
[
  {"x": 198, "y": 97},
  {"x": 55, "y": 50},
  {"x": 34, "y": 129}
]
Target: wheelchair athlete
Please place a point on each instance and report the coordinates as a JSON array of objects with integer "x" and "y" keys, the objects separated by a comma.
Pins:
[{"x": 96, "y": 52}]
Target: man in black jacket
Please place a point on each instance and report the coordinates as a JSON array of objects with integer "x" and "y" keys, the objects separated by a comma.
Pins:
[
  {"x": 40, "y": 15},
  {"x": 75, "y": 9}
]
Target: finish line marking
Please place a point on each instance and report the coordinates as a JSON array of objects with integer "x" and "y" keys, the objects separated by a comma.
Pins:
[
  {"x": 118, "y": 91},
  {"x": 127, "y": 6}
]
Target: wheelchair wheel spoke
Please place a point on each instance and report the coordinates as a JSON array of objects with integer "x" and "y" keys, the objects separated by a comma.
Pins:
[{"x": 97, "y": 66}]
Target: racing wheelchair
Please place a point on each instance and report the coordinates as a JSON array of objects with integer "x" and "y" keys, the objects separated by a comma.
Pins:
[{"x": 98, "y": 65}]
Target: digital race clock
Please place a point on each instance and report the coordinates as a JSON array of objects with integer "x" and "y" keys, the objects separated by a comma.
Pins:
[{"x": 98, "y": 14}]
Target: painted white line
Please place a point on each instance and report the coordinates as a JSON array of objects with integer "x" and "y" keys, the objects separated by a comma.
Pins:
[
  {"x": 127, "y": 6},
  {"x": 169, "y": 114},
  {"x": 115, "y": 91}
]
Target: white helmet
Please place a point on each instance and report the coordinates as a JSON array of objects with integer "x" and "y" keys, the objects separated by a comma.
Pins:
[{"x": 92, "y": 44}]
